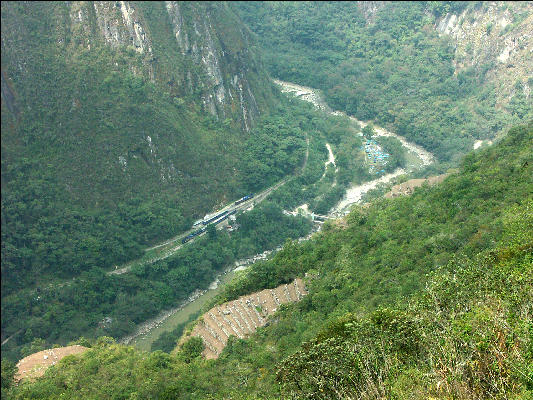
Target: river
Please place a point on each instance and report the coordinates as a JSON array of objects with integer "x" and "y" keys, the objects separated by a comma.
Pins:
[
  {"x": 355, "y": 192},
  {"x": 314, "y": 96},
  {"x": 166, "y": 321}
]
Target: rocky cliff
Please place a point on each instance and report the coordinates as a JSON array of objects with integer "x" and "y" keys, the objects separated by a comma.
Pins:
[
  {"x": 187, "y": 47},
  {"x": 497, "y": 36},
  {"x": 493, "y": 35},
  {"x": 130, "y": 93}
]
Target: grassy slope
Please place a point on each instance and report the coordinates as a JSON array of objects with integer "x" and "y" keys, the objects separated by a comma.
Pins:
[{"x": 473, "y": 235}]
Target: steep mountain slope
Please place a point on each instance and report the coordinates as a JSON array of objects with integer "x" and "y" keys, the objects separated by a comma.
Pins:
[
  {"x": 187, "y": 48},
  {"x": 465, "y": 335},
  {"x": 496, "y": 36},
  {"x": 120, "y": 123},
  {"x": 442, "y": 74}
]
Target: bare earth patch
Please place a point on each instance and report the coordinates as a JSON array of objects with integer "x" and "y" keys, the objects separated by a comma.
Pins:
[
  {"x": 243, "y": 316},
  {"x": 36, "y": 364},
  {"x": 408, "y": 187}
]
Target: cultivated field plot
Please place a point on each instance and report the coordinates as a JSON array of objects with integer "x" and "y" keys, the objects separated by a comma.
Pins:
[
  {"x": 36, "y": 364},
  {"x": 243, "y": 316}
]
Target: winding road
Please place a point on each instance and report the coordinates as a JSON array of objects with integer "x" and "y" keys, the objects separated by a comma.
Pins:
[
  {"x": 353, "y": 195},
  {"x": 356, "y": 192}
]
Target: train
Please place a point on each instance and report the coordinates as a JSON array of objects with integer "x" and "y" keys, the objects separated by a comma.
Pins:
[
  {"x": 217, "y": 216},
  {"x": 195, "y": 233},
  {"x": 247, "y": 197},
  {"x": 213, "y": 218},
  {"x": 221, "y": 217},
  {"x": 224, "y": 216}
]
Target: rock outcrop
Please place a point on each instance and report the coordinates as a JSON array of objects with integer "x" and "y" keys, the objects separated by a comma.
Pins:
[
  {"x": 126, "y": 94},
  {"x": 225, "y": 68},
  {"x": 210, "y": 49},
  {"x": 497, "y": 36},
  {"x": 370, "y": 9}
]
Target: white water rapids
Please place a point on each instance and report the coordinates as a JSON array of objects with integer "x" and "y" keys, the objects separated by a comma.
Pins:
[
  {"x": 355, "y": 192},
  {"x": 353, "y": 195}
]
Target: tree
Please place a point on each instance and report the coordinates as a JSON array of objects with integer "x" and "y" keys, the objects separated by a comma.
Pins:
[
  {"x": 36, "y": 345},
  {"x": 211, "y": 231},
  {"x": 191, "y": 349},
  {"x": 368, "y": 131},
  {"x": 8, "y": 372}
]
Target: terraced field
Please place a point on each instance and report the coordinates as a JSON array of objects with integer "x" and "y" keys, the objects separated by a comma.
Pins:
[
  {"x": 243, "y": 316},
  {"x": 36, "y": 364},
  {"x": 408, "y": 187}
]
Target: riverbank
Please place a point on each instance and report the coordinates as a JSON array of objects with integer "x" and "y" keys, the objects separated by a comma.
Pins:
[
  {"x": 355, "y": 192},
  {"x": 166, "y": 321}
]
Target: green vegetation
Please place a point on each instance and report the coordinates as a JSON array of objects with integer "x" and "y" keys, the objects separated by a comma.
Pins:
[
  {"x": 8, "y": 372},
  {"x": 81, "y": 181},
  {"x": 368, "y": 131},
  {"x": 385, "y": 251},
  {"x": 392, "y": 68},
  {"x": 191, "y": 349},
  {"x": 65, "y": 303},
  {"x": 394, "y": 147},
  {"x": 320, "y": 188},
  {"x": 426, "y": 296},
  {"x": 58, "y": 308},
  {"x": 97, "y": 303},
  {"x": 466, "y": 335},
  {"x": 167, "y": 340},
  {"x": 99, "y": 161},
  {"x": 106, "y": 151}
]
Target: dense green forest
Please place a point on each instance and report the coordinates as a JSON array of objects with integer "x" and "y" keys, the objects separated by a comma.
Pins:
[
  {"x": 91, "y": 178},
  {"x": 394, "y": 69},
  {"x": 111, "y": 144},
  {"x": 98, "y": 160},
  {"x": 62, "y": 312},
  {"x": 59, "y": 310},
  {"x": 427, "y": 296}
]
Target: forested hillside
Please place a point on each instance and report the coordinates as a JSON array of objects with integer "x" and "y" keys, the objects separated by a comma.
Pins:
[
  {"x": 124, "y": 123},
  {"x": 112, "y": 136},
  {"x": 397, "y": 63},
  {"x": 427, "y": 296},
  {"x": 121, "y": 124},
  {"x": 64, "y": 305}
]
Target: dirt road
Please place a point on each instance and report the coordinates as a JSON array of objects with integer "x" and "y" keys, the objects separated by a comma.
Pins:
[{"x": 355, "y": 192}]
